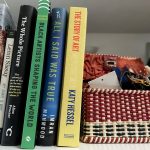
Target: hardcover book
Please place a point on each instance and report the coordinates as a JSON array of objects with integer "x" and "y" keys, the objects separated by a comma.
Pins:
[
  {"x": 5, "y": 75},
  {"x": 34, "y": 88},
  {"x": 48, "y": 119},
  {"x": 70, "y": 110},
  {"x": 19, "y": 75}
]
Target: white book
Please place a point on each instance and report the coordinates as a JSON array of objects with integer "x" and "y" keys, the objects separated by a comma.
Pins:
[{"x": 5, "y": 75}]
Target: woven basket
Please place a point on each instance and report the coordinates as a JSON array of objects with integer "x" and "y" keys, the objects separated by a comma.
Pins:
[
  {"x": 115, "y": 116},
  {"x": 111, "y": 115}
]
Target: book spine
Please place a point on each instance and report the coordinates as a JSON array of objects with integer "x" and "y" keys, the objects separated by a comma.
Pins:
[
  {"x": 5, "y": 75},
  {"x": 47, "y": 129},
  {"x": 19, "y": 75},
  {"x": 2, "y": 48},
  {"x": 70, "y": 110},
  {"x": 34, "y": 88}
]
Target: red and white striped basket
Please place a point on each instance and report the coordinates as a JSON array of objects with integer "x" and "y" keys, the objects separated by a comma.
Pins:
[
  {"x": 111, "y": 115},
  {"x": 115, "y": 116}
]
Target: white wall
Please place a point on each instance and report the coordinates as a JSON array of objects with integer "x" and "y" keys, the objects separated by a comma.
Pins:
[{"x": 120, "y": 44}]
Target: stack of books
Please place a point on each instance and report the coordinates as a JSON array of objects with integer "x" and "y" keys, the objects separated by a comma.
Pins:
[{"x": 41, "y": 68}]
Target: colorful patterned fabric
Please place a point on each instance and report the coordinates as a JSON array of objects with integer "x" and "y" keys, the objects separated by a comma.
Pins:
[{"x": 96, "y": 65}]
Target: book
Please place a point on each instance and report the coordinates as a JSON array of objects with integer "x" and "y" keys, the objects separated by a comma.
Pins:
[
  {"x": 2, "y": 48},
  {"x": 19, "y": 76},
  {"x": 5, "y": 75},
  {"x": 35, "y": 80},
  {"x": 70, "y": 109},
  {"x": 48, "y": 119},
  {"x": 6, "y": 22}
]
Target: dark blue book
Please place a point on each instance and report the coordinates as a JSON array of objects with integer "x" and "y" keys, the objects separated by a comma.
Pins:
[{"x": 50, "y": 99}]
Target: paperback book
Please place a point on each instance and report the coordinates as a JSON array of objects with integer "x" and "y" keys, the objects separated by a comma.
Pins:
[
  {"x": 5, "y": 75},
  {"x": 6, "y": 23},
  {"x": 2, "y": 48}
]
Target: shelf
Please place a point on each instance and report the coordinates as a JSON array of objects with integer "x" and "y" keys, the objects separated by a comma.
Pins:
[
  {"x": 84, "y": 146},
  {"x": 109, "y": 17}
]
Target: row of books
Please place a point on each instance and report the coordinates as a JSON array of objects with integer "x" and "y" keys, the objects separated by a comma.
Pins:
[{"x": 41, "y": 77}]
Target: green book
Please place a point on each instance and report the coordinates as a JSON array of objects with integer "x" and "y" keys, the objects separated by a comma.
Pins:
[{"x": 35, "y": 79}]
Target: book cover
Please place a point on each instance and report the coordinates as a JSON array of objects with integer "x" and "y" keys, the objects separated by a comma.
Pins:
[
  {"x": 5, "y": 75},
  {"x": 6, "y": 22},
  {"x": 19, "y": 75},
  {"x": 48, "y": 117},
  {"x": 2, "y": 48},
  {"x": 35, "y": 80},
  {"x": 70, "y": 110}
]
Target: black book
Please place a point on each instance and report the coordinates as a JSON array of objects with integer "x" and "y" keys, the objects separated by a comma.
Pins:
[{"x": 19, "y": 76}]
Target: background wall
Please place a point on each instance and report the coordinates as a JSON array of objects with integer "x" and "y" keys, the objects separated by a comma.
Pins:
[
  {"x": 104, "y": 16},
  {"x": 119, "y": 27},
  {"x": 120, "y": 44}
]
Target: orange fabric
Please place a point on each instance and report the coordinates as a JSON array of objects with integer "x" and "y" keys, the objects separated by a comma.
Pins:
[{"x": 96, "y": 65}]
